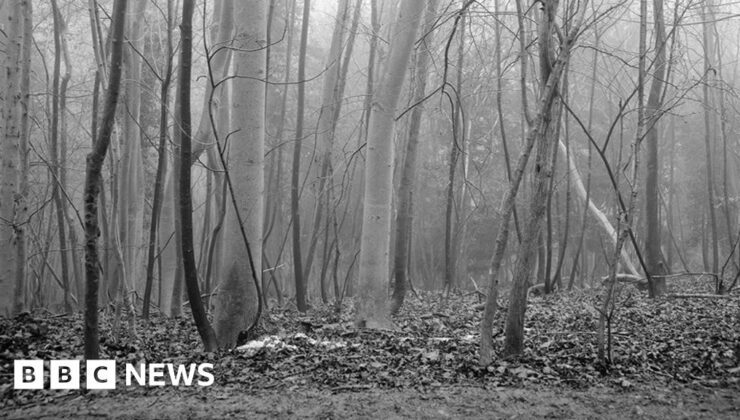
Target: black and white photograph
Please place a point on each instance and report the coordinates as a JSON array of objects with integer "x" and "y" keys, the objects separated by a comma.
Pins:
[{"x": 370, "y": 209}]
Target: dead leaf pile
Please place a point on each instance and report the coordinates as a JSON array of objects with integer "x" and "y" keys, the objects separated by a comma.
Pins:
[{"x": 434, "y": 344}]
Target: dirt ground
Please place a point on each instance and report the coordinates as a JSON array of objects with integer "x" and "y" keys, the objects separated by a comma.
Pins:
[{"x": 640, "y": 402}]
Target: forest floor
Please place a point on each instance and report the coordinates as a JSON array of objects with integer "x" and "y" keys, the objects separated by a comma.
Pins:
[{"x": 671, "y": 358}]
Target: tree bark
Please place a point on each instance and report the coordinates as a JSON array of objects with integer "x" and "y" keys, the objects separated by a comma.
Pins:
[
  {"x": 404, "y": 216},
  {"x": 709, "y": 131},
  {"x": 300, "y": 283},
  {"x": 372, "y": 310},
  {"x": 329, "y": 111},
  {"x": 161, "y": 166},
  {"x": 57, "y": 187},
  {"x": 653, "y": 257},
  {"x": 207, "y": 336},
  {"x": 514, "y": 329},
  {"x": 24, "y": 135},
  {"x": 238, "y": 301},
  {"x": 93, "y": 183},
  {"x": 545, "y": 103},
  {"x": 12, "y": 155},
  {"x": 452, "y": 214}
]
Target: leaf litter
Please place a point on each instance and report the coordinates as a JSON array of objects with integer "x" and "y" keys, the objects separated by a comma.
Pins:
[{"x": 671, "y": 342}]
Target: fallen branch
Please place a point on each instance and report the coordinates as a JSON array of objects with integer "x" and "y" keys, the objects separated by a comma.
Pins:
[{"x": 698, "y": 296}]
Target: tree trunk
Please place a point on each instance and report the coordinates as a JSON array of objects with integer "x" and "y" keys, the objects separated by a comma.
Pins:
[
  {"x": 238, "y": 301},
  {"x": 69, "y": 221},
  {"x": 300, "y": 283},
  {"x": 372, "y": 311},
  {"x": 207, "y": 336},
  {"x": 599, "y": 215},
  {"x": 57, "y": 188},
  {"x": 452, "y": 214},
  {"x": 547, "y": 98},
  {"x": 93, "y": 182},
  {"x": 330, "y": 105},
  {"x": 653, "y": 257},
  {"x": 23, "y": 184},
  {"x": 547, "y": 136},
  {"x": 161, "y": 165},
  {"x": 404, "y": 216},
  {"x": 625, "y": 222},
  {"x": 709, "y": 130},
  {"x": 10, "y": 126},
  {"x": 131, "y": 170}
]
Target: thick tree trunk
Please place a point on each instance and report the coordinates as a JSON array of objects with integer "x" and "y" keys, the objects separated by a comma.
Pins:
[
  {"x": 10, "y": 127},
  {"x": 404, "y": 216},
  {"x": 372, "y": 310},
  {"x": 23, "y": 184},
  {"x": 238, "y": 301}
]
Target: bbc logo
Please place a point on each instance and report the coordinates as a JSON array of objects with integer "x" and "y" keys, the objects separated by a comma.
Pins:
[
  {"x": 64, "y": 374},
  {"x": 101, "y": 374}
]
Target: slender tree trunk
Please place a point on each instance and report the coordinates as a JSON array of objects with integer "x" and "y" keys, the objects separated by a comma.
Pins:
[
  {"x": 93, "y": 182},
  {"x": 372, "y": 310},
  {"x": 207, "y": 336},
  {"x": 563, "y": 246},
  {"x": 599, "y": 215},
  {"x": 671, "y": 195},
  {"x": 131, "y": 168},
  {"x": 547, "y": 136},
  {"x": 330, "y": 105},
  {"x": 625, "y": 221},
  {"x": 458, "y": 139},
  {"x": 653, "y": 257},
  {"x": 709, "y": 131},
  {"x": 300, "y": 283},
  {"x": 545, "y": 103},
  {"x": 24, "y": 135},
  {"x": 56, "y": 160},
  {"x": 161, "y": 165},
  {"x": 70, "y": 221}
]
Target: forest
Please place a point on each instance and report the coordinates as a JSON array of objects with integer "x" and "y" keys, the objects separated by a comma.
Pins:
[{"x": 365, "y": 208}]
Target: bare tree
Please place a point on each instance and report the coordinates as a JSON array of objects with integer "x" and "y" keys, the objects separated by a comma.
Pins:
[
  {"x": 238, "y": 304},
  {"x": 653, "y": 257},
  {"x": 300, "y": 282},
  {"x": 23, "y": 182},
  {"x": 404, "y": 216},
  {"x": 11, "y": 16},
  {"x": 166, "y": 79},
  {"x": 372, "y": 311},
  {"x": 93, "y": 181},
  {"x": 207, "y": 336},
  {"x": 709, "y": 129},
  {"x": 517, "y": 306}
]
